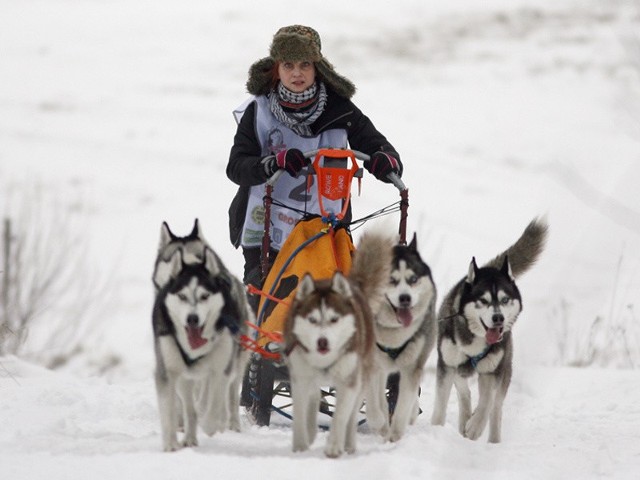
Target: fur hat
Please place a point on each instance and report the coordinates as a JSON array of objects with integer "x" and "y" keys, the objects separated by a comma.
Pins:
[{"x": 296, "y": 43}]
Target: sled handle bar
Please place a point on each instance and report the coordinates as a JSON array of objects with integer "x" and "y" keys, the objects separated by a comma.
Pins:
[{"x": 394, "y": 178}]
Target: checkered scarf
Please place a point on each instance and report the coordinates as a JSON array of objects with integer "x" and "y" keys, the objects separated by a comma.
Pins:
[{"x": 298, "y": 110}]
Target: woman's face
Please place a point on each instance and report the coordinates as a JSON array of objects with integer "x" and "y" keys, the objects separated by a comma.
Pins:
[{"x": 297, "y": 76}]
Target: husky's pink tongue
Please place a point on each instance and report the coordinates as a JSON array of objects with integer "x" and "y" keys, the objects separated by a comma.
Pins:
[
  {"x": 404, "y": 316},
  {"x": 194, "y": 335},
  {"x": 493, "y": 335}
]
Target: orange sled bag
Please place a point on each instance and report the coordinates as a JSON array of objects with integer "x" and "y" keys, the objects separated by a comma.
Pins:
[{"x": 312, "y": 247}]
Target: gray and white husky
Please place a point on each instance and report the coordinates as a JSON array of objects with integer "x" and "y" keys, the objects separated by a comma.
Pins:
[
  {"x": 198, "y": 315},
  {"x": 406, "y": 330},
  {"x": 476, "y": 320},
  {"x": 329, "y": 341}
]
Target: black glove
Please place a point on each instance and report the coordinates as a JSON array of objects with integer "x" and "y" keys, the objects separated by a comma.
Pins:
[
  {"x": 292, "y": 160},
  {"x": 382, "y": 164}
]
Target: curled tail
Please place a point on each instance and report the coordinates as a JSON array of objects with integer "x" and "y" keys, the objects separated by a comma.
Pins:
[
  {"x": 371, "y": 266},
  {"x": 525, "y": 252}
]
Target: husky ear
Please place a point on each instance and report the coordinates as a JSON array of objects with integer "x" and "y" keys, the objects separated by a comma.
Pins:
[
  {"x": 306, "y": 286},
  {"x": 473, "y": 271},
  {"x": 414, "y": 242},
  {"x": 166, "y": 236},
  {"x": 197, "y": 231},
  {"x": 506, "y": 268},
  {"x": 340, "y": 284},
  {"x": 165, "y": 271},
  {"x": 211, "y": 263}
]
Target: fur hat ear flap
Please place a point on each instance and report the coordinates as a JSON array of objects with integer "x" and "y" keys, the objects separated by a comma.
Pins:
[
  {"x": 261, "y": 76},
  {"x": 341, "y": 85},
  {"x": 306, "y": 287}
]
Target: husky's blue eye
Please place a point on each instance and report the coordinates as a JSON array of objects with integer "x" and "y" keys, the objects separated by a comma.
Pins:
[
  {"x": 312, "y": 320},
  {"x": 412, "y": 279},
  {"x": 505, "y": 300}
]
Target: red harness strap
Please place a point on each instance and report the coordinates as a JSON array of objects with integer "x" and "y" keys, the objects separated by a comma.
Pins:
[{"x": 250, "y": 344}]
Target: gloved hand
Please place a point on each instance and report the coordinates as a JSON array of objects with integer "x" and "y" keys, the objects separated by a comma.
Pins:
[
  {"x": 382, "y": 164},
  {"x": 292, "y": 160}
]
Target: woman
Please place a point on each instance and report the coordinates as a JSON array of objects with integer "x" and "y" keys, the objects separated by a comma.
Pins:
[{"x": 299, "y": 103}]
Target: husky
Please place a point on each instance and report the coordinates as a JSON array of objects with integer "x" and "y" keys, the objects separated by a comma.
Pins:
[
  {"x": 329, "y": 341},
  {"x": 197, "y": 319},
  {"x": 406, "y": 331},
  {"x": 192, "y": 248},
  {"x": 476, "y": 320}
]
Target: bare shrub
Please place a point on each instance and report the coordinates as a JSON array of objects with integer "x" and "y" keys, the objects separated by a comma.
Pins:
[
  {"x": 47, "y": 288},
  {"x": 611, "y": 340}
]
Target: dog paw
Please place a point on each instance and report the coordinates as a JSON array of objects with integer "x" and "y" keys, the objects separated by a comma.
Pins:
[
  {"x": 299, "y": 446},
  {"x": 171, "y": 446},
  {"x": 211, "y": 428},
  {"x": 395, "y": 434},
  {"x": 332, "y": 451},
  {"x": 235, "y": 427},
  {"x": 385, "y": 433},
  {"x": 438, "y": 419},
  {"x": 190, "y": 442},
  {"x": 474, "y": 427}
]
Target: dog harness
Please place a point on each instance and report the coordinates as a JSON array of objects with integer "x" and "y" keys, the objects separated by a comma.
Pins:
[
  {"x": 477, "y": 358},
  {"x": 394, "y": 352}
]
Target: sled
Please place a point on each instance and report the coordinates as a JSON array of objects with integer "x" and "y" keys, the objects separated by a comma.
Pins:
[{"x": 319, "y": 245}]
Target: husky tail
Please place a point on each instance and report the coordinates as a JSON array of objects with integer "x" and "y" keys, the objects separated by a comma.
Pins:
[
  {"x": 525, "y": 252},
  {"x": 371, "y": 266}
]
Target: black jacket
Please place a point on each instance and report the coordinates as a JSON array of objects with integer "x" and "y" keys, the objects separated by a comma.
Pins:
[{"x": 244, "y": 167}]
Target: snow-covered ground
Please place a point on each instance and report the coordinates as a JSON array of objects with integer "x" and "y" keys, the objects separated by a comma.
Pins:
[{"x": 116, "y": 115}]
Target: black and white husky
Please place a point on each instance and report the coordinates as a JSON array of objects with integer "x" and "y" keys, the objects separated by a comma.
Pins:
[
  {"x": 199, "y": 313},
  {"x": 406, "y": 331},
  {"x": 474, "y": 337},
  {"x": 329, "y": 342}
]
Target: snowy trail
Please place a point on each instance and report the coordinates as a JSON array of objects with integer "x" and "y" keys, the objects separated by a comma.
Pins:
[{"x": 558, "y": 424}]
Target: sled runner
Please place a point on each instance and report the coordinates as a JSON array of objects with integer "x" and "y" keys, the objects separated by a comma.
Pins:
[{"x": 318, "y": 245}]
